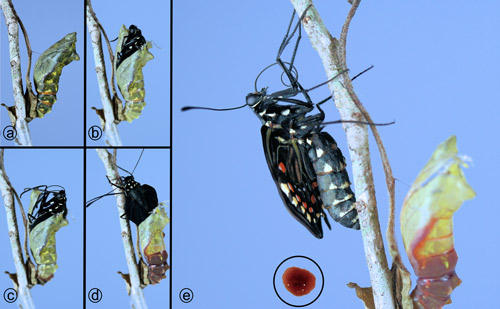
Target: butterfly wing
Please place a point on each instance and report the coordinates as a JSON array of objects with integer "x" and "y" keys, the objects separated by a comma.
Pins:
[
  {"x": 140, "y": 202},
  {"x": 150, "y": 196},
  {"x": 295, "y": 178}
]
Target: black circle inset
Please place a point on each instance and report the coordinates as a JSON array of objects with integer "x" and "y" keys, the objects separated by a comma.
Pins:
[
  {"x": 10, "y": 295},
  {"x": 95, "y": 295},
  {"x": 95, "y": 133},
  {"x": 186, "y": 295},
  {"x": 10, "y": 136},
  {"x": 322, "y": 279}
]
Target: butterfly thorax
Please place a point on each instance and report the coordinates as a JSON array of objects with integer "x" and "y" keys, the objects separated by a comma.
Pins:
[{"x": 290, "y": 118}]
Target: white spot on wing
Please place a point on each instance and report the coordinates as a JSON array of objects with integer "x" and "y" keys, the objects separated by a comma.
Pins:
[{"x": 284, "y": 188}]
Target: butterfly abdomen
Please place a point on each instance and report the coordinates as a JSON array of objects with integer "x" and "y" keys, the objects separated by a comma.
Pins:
[
  {"x": 48, "y": 70},
  {"x": 333, "y": 180}
]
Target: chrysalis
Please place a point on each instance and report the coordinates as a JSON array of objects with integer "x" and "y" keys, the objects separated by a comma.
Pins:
[
  {"x": 131, "y": 56},
  {"x": 48, "y": 69},
  {"x": 152, "y": 245},
  {"x": 427, "y": 225},
  {"x": 47, "y": 214}
]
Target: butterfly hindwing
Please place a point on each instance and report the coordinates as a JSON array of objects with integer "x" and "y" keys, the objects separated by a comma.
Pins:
[{"x": 294, "y": 176}]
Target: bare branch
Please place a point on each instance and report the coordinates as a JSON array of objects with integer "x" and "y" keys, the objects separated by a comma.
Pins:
[
  {"x": 357, "y": 139},
  {"x": 108, "y": 44},
  {"x": 110, "y": 122},
  {"x": 136, "y": 293},
  {"x": 24, "y": 294},
  {"x": 19, "y": 120}
]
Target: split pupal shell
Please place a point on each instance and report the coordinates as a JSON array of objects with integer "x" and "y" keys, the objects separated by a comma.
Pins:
[
  {"x": 42, "y": 240},
  {"x": 427, "y": 225},
  {"x": 153, "y": 245},
  {"x": 130, "y": 78},
  {"x": 48, "y": 70}
]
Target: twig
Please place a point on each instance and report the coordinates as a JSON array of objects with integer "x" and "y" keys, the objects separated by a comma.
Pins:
[
  {"x": 20, "y": 122},
  {"x": 110, "y": 122},
  {"x": 136, "y": 293},
  {"x": 108, "y": 44},
  {"x": 357, "y": 139},
  {"x": 24, "y": 294},
  {"x": 401, "y": 276}
]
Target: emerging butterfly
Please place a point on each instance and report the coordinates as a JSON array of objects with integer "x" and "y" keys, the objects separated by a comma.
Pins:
[
  {"x": 132, "y": 54},
  {"x": 142, "y": 208},
  {"x": 47, "y": 214},
  {"x": 48, "y": 70}
]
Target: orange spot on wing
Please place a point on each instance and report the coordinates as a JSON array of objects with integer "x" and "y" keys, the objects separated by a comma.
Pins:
[
  {"x": 313, "y": 199},
  {"x": 315, "y": 184},
  {"x": 310, "y": 210},
  {"x": 282, "y": 167},
  {"x": 291, "y": 188}
]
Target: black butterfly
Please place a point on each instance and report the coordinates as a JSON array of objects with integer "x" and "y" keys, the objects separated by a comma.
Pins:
[
  {"x": 140, "y": 200},
  {"x": 306, "y": 164}
]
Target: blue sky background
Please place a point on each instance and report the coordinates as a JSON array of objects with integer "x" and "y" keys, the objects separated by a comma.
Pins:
[
  {"x": 105, "y": 255},
  {"x": 436, "y": 74},
  {"x": 63, "y": 126},
  {"x": 152, "y": 17},
  {"x": 29, "y": 168}
]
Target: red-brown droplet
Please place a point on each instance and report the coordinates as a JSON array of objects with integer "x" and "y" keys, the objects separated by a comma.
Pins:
[{"x": 298, "y": 281}]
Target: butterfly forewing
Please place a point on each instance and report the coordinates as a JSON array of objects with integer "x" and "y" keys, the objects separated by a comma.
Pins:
[{"x": 295, "y": 179}]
